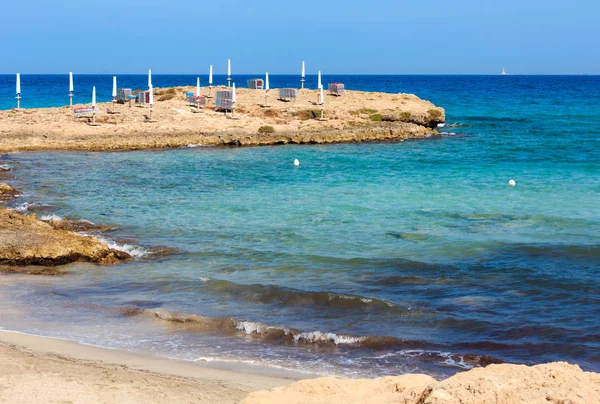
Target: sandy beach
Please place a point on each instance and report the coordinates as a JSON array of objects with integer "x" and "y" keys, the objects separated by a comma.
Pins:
[
  {"x": 356, "y": 117},
  {"x": 44, "y": 370}
]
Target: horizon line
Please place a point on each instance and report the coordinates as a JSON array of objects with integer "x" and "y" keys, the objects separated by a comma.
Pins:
[{"x": 295, "y": 74}]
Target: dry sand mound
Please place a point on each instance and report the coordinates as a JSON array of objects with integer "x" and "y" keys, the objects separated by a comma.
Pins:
[{"x": 554, "y": 383}]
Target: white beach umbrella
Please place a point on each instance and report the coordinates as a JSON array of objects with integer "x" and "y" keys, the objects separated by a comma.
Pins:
[
  {"x": 319, "y": 85},
  {"x": 321, "y": 97},
  {"x": 114, "y": 91},
  {"x": 71, "y": 82},
  {"x": 18, "y": 83},
  {"x": 210, "y": 82},
  {"x": 151, "y": 96},
  {"x": 267, "y": 82},
  {"x": 149, "y": 78},
  {"x": 228, "y": 67},
  {"x": 198, "y": 87},
  {"x": 94, "y": 97},
  {"x": 233, "y": 96},
  {"x": 303, "y": 70}
]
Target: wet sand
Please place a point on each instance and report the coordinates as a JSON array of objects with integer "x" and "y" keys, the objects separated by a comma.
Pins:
[{"x": 44, "y": 370}]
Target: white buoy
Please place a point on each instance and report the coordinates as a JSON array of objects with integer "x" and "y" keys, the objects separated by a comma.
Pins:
[
  {"x": 296, "y": 162},
  {"x": 512, "y": 183}
]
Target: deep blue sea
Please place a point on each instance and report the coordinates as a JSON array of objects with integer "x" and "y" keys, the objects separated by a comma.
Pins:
[{"x": 367, "y": 259}]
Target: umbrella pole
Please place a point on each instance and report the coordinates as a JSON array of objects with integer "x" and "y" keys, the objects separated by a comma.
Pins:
[
  {"x": 302, "y": 83},
  {"x": 18, "y": 101},
  {"x": 70, "y": 99},
  {"x": 228, "y": 81}
]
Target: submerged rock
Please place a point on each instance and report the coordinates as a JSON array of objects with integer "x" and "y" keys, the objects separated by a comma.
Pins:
[{"x": 25, "y": 240}]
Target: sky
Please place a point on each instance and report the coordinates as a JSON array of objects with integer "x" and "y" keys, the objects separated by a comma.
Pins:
[{"x": 334, "y": 36}]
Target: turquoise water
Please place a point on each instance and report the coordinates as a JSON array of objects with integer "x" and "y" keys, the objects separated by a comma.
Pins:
[{"x": 367, "y": 259}]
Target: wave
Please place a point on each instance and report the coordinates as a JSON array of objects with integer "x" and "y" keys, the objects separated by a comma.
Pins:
[
  {"x": 23, "y": 207},
  {"x": 289, "y": 336},
  {"x": 51, "y": 217},
  {"x": 133, "y": 250},
  {"x": 288, "y": 296}
]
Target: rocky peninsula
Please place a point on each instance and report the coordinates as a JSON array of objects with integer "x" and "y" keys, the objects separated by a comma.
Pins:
[
  {"x": 25, "y": 240},
  {"x": 355, "y": 117}
]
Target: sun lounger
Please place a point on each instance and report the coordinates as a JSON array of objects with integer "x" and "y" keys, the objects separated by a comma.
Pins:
[
  {"x": 287, "y": 94},
  {"x": 84, "y": 111},
  {"x": 337, "y": 89}
]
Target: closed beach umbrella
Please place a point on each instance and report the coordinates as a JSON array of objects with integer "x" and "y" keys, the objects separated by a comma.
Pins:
[
  {"x": 94, "y": 97},
  {"x": 149, "y": 78},
  {"x": 229, "y": 67},
  {"x": 198, "y": 87},
  {"x": 303, "y": 70},
  {"x": 233, "y": 97},
  {"x": 150, "y": 97},
  {"x": 70, "y": 82},
  {"x": 18, "y": 83},
  {"x": 321, "y": 97},
  {"x": 267, "y": 82},
  {"x": 210, "y": 82},
  {"x": 319, "y": 85},
  {"x": 114, "y": 92}
]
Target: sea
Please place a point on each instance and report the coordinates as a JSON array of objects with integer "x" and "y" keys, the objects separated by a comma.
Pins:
[{"x": 365, "y": 260}]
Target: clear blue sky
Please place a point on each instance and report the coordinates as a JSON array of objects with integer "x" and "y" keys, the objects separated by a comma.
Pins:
[{"x": 335, "y": 36}]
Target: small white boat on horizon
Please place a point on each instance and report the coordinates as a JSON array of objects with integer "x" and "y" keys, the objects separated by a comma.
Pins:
[{"x": 504, "y": 72}]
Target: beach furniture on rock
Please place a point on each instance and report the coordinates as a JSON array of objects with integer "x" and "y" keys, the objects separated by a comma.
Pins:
[
  {"x": 288, "y": 94},
  {"x": 256, "y": 84},
  {"x": 18, "y": 90},
  {"x": 224, "y": 100},
  {"x": 142, "y": 97},
  {"x": 196, "y": 101},
  {"x": 71, "y": 89},
  {"x": 336, "y": 89},
  {"x": 84, "y": 112},
  {"x": 123, "y": 95}
]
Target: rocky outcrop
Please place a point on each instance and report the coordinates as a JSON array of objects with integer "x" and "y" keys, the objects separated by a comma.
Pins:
[
  {"x": 552, "y": 383},
  {"x": 7, "y": 192},
  {"x": 25, "y": 240},
  {"x": 358, "y": 116}
]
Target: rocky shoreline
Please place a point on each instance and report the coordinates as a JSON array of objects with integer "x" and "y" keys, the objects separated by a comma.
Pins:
[
  {"x": 25, "y": 240},
  {"x": 356, "y": 117}
]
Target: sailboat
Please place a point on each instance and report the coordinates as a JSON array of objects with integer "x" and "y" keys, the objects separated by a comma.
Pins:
[{"x": 504, "y": 72}]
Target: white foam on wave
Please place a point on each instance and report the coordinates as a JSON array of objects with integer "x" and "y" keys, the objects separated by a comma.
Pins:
[
  {"x": 134, "y": 250},
  {"x": 194, "y": 145},
  {"x": 448, "y": 358},
  {"x": 333, "y": 296},
  {"x": 6, "y": 166},
  {"x": 204, "y": 279},
  {"x": 250, "y": 327},
  {"x": 24, "y": 207},
  {"x": 318, "y": 336},
  {"x": 51, "y": 217}
]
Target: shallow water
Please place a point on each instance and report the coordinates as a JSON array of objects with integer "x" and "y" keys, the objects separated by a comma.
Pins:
[{"x": 367, "y": 259}]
